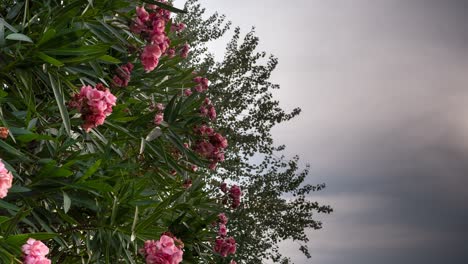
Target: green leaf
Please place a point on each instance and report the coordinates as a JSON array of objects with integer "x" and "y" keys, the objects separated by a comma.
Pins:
[
  {"x": 18, "y": 240},
  {"x": 109, "y": 59},
  {"x": 49, "y": 59},
  {"x": 19, "y": 37},
  {"x": 8, "y": 206},
  {"x": 48, "y": 35},
  {"x": 33, "y": 136},
  {"x": 18, "y": 189},
  {"x": 66, "y": 202},
  {"x": 59, "y": 98},
  {"x": 91, "y": 170},
  {"x": 13, "y": 151},
  {"x": 2, "y": 35},
  {"x": 10, "y": 27},
  {"x": 89, "y": 50}
]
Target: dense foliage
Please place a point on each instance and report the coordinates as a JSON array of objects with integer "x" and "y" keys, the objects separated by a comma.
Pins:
[
  {"x": 114, "y": 144},
  {"x": 102, "y": 134}
]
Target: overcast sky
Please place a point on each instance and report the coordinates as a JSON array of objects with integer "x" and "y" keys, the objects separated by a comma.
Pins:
[{"x": 383, "y": 85}]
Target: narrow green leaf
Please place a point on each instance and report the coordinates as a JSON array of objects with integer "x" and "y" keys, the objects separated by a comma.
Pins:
[
  {"x": 59, "y": 98},
  {"x": 18, "y": 240},
  {"x": 14, "y": 151},
  {"x": 49, "y": 59},
  {"x": 18, "y": 189},
  {"x": 91, "y": 170},
  {"x": 2, "y": 34},
  {"x": 8, "y": 206},
  {"x": 48, "y": 35},
  {"x": 66, "y": 202},
  {"x": 19, "y": 37},
  {"x": 109, "y": 59}
]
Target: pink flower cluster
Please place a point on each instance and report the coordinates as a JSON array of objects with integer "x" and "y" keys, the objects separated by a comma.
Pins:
[
  {"x": 162, "y": 251},
  {"x": 225, "y": 246},
  {"x": 211, "y": 146},
  {"x": 151, "y": 26},
  {"x": 95, "y": 104},
  {"x": 122, "y": 77},
  {"x": 207, "y": 109},
  {"x": 234, "y": 194},
  {"x": 159, "y": 117},
  {"x": 6, "y": 180},
  {"x": 202, "y": 84},
  {"x": 35, "y": 252},
  {"x": 184, "y": 51},
  {"x": 222, "y": 220},
  {"x": 178, "y": 27}
]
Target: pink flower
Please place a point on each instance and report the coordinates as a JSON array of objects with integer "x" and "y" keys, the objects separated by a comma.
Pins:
[
  {"x": 150, "y": 57},
  {"x": 187, "y": 183},
  {"x": 123, "y": 75},
  {"x": 117, "y": 81},
  {"x": 142, "y": 14},
  {"x": 95, "y": 104},
  {"x": 235, "y": 194},
  {"x": 6, "y": 180},
  {"x": 202, "y": 83},
  {"x": 235, "y": 191},
  {"x": 159, "y": 25},
  {"x": 4, "y": 131},
  {"x": 161, "y": 40},
  {"x": 222, "y": 218},
  {"x": 203, "y": 111},
  {"x": 35, "y": 252},
  {"x": 178, "y": 27},
  {"x": 225, "y": 246},
  {"x": 199, "y": 88},
  {"x": 158, "y": 119},
  {"x": 185, "y": 50},
  {"x": 187, "y": 92},
  {"x": 222, "y": 230},
  {"x": 233, "y": 262},
  {"x": 171, "y": 53},
  {"x": 213, "y": 165},
  {"x": 159, "y": 107},
  {"x": 35, "y": 248},
  {"x": 223, "y": 187},
  {"x": 211, "y": 112},
  {"x": 204, "y": 148},
  {"x": 138, "y": 26},
  {"x": 162, "y": 251},
  {"x": 218, "y": 141},
  {"x": 36, "y": 260}
]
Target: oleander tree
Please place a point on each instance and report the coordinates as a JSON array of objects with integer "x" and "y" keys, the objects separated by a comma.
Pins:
[{"x": 107, "y": 138}]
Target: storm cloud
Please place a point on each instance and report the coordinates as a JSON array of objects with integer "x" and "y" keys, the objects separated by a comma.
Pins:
[{"x": 383, "y": 85}]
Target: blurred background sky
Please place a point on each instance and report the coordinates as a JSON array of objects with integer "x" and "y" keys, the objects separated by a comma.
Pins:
[{"x": 383, "y": 85}]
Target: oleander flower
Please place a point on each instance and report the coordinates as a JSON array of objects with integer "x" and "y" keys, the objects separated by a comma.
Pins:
[
  {"x": 150, "y": 57},
  {"x": 225, "y": 246},
  {"x": 35, "y": 247},
  {"x": 6, "y": 180},
  {"x": 4, "y": 131},
  {"x": 95, "y": 104},
  {"x": 162, "y": 251}
]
